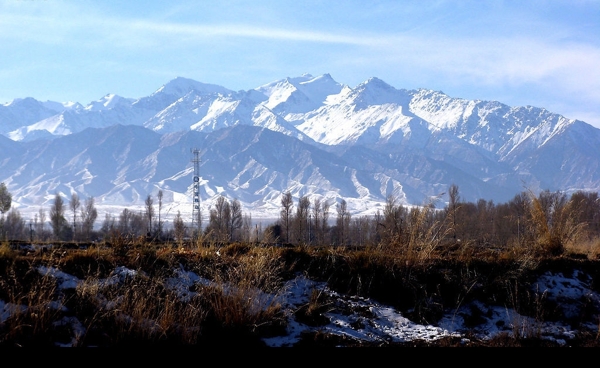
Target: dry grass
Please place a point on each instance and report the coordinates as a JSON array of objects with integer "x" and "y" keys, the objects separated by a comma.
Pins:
[
  {"x": 6, "y": 252},
  {"x": 33, "y": 307},
  {"x": 421, "y": 273},
  {"x": 588, "y": 248},
  {"x": 553, "y": 229},
  {"x": 140, "y": 308}
]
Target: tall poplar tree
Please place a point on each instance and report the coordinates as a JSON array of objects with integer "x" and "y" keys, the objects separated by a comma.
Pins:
[
  {"x": 286, "y": 214},
  {"x": 57, "y": 217}
]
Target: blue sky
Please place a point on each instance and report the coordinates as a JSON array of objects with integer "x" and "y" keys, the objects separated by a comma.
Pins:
[{"x": 537, "y": 52}]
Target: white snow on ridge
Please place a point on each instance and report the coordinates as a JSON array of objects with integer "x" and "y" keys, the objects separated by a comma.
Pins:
[
  {"x": 181, "y": 86},
  {"x": 108, "y": 102},
  {"x": 298, "y": 95},
  {"x": 54, "y": 125},
  {"x": 277, "y": 93},
  {"x": 320, "y": 88},
  {"x": 324, "y": 110},
  {"x": 60, "y": 107}
]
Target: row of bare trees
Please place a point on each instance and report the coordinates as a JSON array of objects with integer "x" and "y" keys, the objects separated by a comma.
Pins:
[
  {"x": 80, "y": 227},
  {"x": 14, "y": 226},
  {"x": 306, "y": 224},
  {"x": 225, "y": 220},
  {"x": 550, "y": 218},
  {"x": 148, "y": 223}
]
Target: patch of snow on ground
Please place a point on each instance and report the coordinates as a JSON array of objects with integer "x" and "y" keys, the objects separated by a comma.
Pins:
[{"x": 365, "y": 320}]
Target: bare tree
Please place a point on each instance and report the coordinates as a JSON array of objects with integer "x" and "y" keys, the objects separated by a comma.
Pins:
[
  {"x": 160, "y": 202},
  {"x": 235, "y": 219},
  {"x": 125, "y": 221},
  {"x": 343, "y": 221},
  {"x": 360, "y": 230},
  {"x": 258, "y": 232},
  {"x": 483, "y": 217},
  {"x": 57, "y": 218},
  {"x": 224, "y": 211},
  {"x": 88, "y": 217},
  {"x": 109, "y": 225},
  {"x": 179, "y": 227},
  {"x": 393, "y": 218},
  {"x": 219, "y": 219},
  {"x": 586, "y": 207},
  {"x": 377, "y": 229},
  {"x": 5, "y": 199},
  {"x": 14, "y": 225},
  {"x": 286, "y": 214},
  {"x": 138, "y": 224},
  {"x": 519, "y": 207},
  {"x": 324, "y": 227},
  {"x": 40, "y": 230},
  {"x": 149, "y": 213},
  {"x": 74, "y": 205},
  {"x": 5, "y": 203},
  {"x": 301, "y": 219},
  {"x": 247, "y": 235},
  {"x": 316, "y": 219},
  {"x": 132, "y": 223},
  {"x": 453, "y": 206}
]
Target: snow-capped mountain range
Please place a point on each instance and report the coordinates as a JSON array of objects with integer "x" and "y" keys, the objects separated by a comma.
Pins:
[{"x": 308, "y": 135}]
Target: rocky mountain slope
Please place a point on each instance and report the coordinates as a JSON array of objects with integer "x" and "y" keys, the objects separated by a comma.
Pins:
[{"x": 309, "y": 135}]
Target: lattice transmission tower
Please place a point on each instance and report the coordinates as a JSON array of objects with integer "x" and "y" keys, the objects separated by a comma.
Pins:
[{"x": 196, "y": 213}]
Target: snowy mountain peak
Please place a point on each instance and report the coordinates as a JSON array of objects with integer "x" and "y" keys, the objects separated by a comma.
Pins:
[
  {"x": 108, "y": 102},
  {"x": 301, "y": 79},
  {"x": 62, "y": 106},
  {"x": 278, "y": 85},
  {"x": 20, "y": 101},
  {"x": 332, "y": 141},
  {"x": 31, "y": 103},
  {"x": 320, "y": 87},
  {"x": 424, "y": 93},
  {"x": 375, "y": 82},
  {"x": 374, "y": 91},
  {"x": 181, "y": 86},
  {"x": 299, "y": 95}
]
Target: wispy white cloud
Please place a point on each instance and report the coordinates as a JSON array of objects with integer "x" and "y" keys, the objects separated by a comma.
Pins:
[
  {"x": 70, "y": 29},
  {"x": 247, "y": 31},
  {"x": 422, "y": 50},
  {"x": 488, "y": 59}
]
